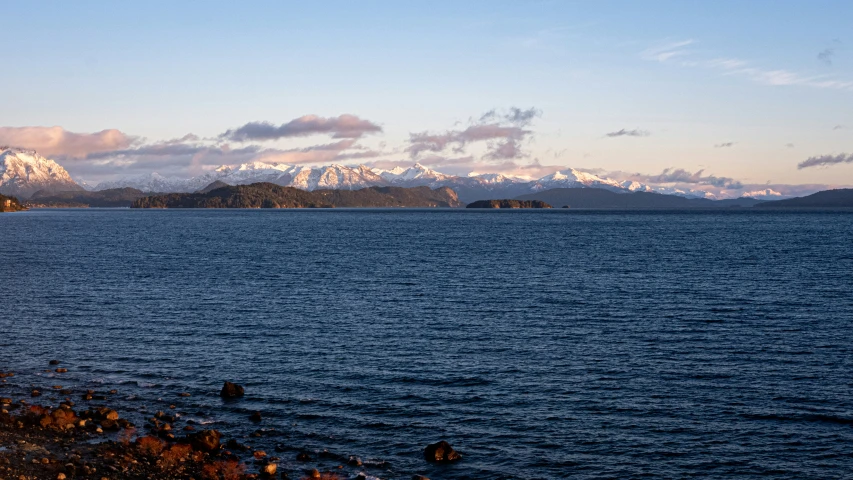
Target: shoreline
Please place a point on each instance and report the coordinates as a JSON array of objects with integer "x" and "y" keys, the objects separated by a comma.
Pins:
[{"x": 48, "y": 431}]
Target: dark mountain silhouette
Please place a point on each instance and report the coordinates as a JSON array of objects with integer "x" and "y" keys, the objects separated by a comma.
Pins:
[
  {"x": 213, "y": 186},
  {"x": 116, "y": 197},
  {"x": 269, "y": 195},
  {"x": 600, "y": 198},
  {"x": 840, "y": 198}
]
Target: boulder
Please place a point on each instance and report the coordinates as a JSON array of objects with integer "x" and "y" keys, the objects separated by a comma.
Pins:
[
  {"x": 206, "y": 440},
  {"x": 441, "y": 452},
  {"x": 269, "y": 469},
  {"x": 231, "y": 390}
]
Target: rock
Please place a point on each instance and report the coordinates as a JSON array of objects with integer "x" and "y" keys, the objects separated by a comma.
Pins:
[
  {"x": 61, "y": 370},
  {"x": 313, "y": 473},
  {"x": 255, "y": 417},
  {"x": 206, "y": 440},
  {"x": 303, "y": 457},
  {"x": 53, "y": 362},
  {"x": 419, "y": 477},
  {"x": 441, "y": 452},
  {"x": 35, "y": 393},
  {"x": 109, "y": 424},
  {"x": 60, "y": 476},
  {"x": 184, "y": 394},
  {"x": 6, "y": 401},
  {"x": 354, "y": 461},
  {"x": 231, "y": 390},
  {"x": 269, "y": 469}
]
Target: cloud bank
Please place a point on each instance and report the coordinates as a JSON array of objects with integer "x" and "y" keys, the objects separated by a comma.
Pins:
[
  {"x": 502, "y": 132},
  {"x": 343, "y": 126},
  {"x": 52, "y": 141},
  {"x": 826, "y": 160},
  {"x": 628, "y": 133}
]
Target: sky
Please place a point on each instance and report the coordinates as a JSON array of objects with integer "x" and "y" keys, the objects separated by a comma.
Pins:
[{"x": 726, "y": 95}]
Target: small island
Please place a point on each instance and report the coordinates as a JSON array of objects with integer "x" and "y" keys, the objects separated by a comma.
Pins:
[
  {"x": 10, "y": 204},
  {"x": 508, "y": 204}
]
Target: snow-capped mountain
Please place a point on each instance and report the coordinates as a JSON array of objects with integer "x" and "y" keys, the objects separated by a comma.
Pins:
[
  {"x": 336, "y": 177},
  {"x": 572, "y": 178},
  {"x": 418, "y": 175},
  {"x": 340, "y": 177},
  {"x": 24, "y": 172},
  {"x": 766, "y": 194}
]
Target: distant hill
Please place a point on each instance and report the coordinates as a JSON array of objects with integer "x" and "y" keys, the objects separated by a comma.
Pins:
[
  {"x": 10, "y": 204},
  {"x": 840, "y": 198},
  {"x": 508, "y": 204},
  {"x": 601, "y": 198},
  {"x": 269, "y": 195},
  {"x": 117, "y": 197},
  {"x": 212, "y": 186}
]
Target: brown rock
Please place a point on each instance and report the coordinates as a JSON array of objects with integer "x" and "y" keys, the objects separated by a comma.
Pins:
[
  {"x": 61, "y": 370},
  {"x": 231, "y": 390},
  {"x": 206, "y": 440},
  {"x": 255, "y": 417},
  {"x": 441, "y": 452},
  {"x": 269, "y": 469},
  {"x": 53, "y": 362}
]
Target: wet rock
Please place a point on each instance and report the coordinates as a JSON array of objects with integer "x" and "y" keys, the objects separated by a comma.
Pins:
[
  {"x": 184, "y": 394},
  {"x": 354, "y": 461},
  {"x": 109, "y": 425},
  {"x": 233, "y": 444},
  {"x": 231, "y": 390},
  {"x": 206, "y": 440},
  {"x": 303, "y": 457},
  {"x": 53, "y": 362},
  {"x": 255, "y": 417},
  {"x": 6, "y": 401},
  {"x": 35, "y": 393},
  {"x": 419, "y": 477},
  {"x": 441, "y": 452},
  {"x": 313, "y": 473},
  {"x": 269, "y": 469},
  {"x": 61, "y": 370}
]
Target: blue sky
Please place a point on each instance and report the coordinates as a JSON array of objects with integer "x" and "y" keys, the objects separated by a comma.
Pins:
[{"x": 772, "y": 78}]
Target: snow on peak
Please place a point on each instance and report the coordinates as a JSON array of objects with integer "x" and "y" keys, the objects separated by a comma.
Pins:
[
  {"x": 766, "y": 193},
  {"x": 24, "y": 172}
]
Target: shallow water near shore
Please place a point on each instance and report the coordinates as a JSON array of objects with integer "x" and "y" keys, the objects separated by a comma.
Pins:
[{"x": 540, "y": 344}]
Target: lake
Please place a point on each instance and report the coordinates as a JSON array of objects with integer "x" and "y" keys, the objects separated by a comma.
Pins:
[{"x": 540, "y": 344}]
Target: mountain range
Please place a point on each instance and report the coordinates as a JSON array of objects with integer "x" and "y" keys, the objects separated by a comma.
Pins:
[{"x": 24, "y": 172}]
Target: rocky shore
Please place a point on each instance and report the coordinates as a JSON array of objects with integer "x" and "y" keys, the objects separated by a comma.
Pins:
[
  {"x": 52, "y": 432},
  {"x": 10, "y": 204}
]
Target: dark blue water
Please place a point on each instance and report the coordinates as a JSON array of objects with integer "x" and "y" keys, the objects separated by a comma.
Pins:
[{"x": 540, "y": 344}]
